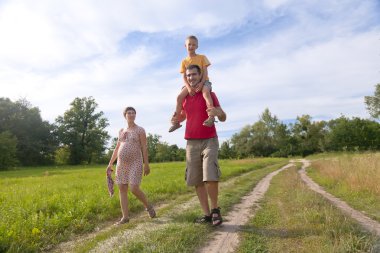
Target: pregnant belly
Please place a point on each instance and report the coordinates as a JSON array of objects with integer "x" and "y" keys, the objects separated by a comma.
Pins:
[{"x": 129, "y": 153}]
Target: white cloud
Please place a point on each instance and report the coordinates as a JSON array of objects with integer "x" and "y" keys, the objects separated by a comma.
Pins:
[{"x": 312, "y": 57}]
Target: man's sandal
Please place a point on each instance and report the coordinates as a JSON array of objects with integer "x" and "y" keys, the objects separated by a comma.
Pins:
[
  {"x": 203, "y": 219},
  {"x": 216, "y": 217}
]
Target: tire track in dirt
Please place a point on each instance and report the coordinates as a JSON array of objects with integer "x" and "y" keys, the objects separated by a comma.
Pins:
[
  {"x": 366, "y": 222},
  {"x": 226, "y": 237}
]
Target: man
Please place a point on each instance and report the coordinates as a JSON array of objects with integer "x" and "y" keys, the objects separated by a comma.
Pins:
[{"x": 202, "y": 169}]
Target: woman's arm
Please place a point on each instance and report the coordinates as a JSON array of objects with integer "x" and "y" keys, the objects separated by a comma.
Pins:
[
  {"x": 144, "y": 150},
  {"x": 113, "y": 158}
]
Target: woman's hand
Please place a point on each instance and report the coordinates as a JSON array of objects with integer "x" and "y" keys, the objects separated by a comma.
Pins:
[
  {"x": 146, "y": 169},
  {"x": 109, "y": 170}
]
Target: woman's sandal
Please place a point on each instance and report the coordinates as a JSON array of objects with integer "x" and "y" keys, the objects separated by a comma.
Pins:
[
  {"x": 122, "y": 221},
  {"x": 216, "y": 217},
  {"x": 151, "y": 211}
]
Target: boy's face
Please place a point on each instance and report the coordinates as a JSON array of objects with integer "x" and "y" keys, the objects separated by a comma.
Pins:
[{"x": 191, "y": 45}]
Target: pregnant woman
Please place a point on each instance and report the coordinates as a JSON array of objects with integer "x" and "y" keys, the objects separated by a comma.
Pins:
[{"x": 132, "y": 158}]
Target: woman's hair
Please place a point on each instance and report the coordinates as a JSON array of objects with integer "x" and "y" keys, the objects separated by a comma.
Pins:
[{"x": 129, "y": 108}]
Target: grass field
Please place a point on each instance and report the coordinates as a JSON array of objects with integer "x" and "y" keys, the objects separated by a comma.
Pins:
[
  {"x": 178, "y": 233},
  {"x": 355, "y": 178},
  {"x": 295, "y": 219},
  {"x": 41, "y": 207}
]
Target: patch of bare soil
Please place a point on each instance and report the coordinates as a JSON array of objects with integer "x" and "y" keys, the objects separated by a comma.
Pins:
[
  {"x": 366, "y": 222},
  {"x": 226, "y": 237}
]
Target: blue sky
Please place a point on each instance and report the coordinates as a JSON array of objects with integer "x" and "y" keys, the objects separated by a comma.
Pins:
[{"x": 294, "y": 57}]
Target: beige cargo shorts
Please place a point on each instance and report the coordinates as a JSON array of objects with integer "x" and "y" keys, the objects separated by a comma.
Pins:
[{"x": 202, "y": 161}]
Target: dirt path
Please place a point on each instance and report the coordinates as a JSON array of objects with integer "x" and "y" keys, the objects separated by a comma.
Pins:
[
  {"x": 143, "y": 225},
  {"x": 364, "y": 221},
  {"x": 226, "y": 237}
]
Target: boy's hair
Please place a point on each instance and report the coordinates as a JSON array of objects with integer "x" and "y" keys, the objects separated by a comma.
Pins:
[
  {"x": 129, "y": 108},
  {"x": 192, "y": 37},
  {"x": 193, "y": 66}
]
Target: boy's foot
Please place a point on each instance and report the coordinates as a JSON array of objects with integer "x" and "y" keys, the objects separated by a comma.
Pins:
[
  {"x": 151, "y": 211},
  {"x": 209, "y": 122},
  {"x": 203, "y": 219},
  {"x": 174, "y": 127},
  {"x": 216, "y": 217}
]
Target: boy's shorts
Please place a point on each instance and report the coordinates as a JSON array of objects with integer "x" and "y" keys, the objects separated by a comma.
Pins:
[
  {"x": 202, "y": 161},
  {"x": 208, "y": 84}
]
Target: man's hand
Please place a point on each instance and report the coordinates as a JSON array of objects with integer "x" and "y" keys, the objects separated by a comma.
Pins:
[
  {"x": 217, "y": 112},
  {"x": 178, "y": 118}
]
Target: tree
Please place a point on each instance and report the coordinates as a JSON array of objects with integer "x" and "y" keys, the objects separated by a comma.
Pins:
[
  {"x": 373, "y": 103},
  {"x": 152, "y": 142},
  {"x": 227, "y": 151},
  {"x": 242, "y": 142},
  {"x": 266, "y": 134},
  {"x": 82, "y": 129},
  {"x": 353, "y": 134},
  {"x": 8, "y": 147},
  {"x": 310, "y": 136},
  {"x": 35, "y": 140},
  {"x": 266, "y": 137},
  {"x": 162, "y": 152}
]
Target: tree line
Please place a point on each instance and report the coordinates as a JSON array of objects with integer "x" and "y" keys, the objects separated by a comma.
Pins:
[
  {"x": 270, "y": 137},
  {"x": 79, "y": 136}
]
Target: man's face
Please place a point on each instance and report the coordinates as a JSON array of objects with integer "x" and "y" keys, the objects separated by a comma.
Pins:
[{"x": 193, "y": 77}]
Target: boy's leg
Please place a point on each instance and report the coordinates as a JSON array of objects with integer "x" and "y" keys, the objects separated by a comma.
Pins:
[
  {"x": 207, "y": 96},
  {"x": 178, "y": 107},
  {"x": 181, "y": 96}
]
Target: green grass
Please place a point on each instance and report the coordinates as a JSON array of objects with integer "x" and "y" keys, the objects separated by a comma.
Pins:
[
  {"x": 352, "y": 177},
  {"x": 41, "y": 207},
  {"x": 295, "y": 219},
  {"x": 182, "y": 235}
]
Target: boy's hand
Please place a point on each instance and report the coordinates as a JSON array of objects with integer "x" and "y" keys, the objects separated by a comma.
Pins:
[{"x": 191, "y": 91}]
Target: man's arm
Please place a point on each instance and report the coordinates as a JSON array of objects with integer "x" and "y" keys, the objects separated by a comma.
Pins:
[{"x": 217, "y": 112}]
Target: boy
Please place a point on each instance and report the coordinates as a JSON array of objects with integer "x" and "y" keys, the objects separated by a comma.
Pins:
[{"x": 204, "y": 85}]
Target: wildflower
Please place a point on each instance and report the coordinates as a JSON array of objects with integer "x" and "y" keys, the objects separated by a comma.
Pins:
[{"x": 35, "y": 231}]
